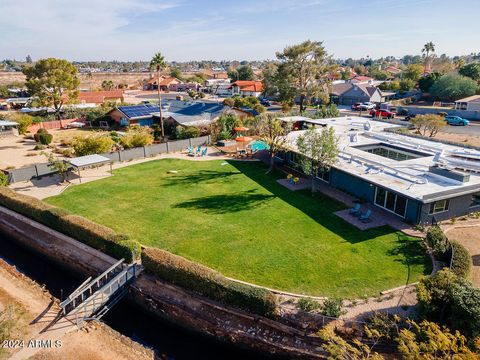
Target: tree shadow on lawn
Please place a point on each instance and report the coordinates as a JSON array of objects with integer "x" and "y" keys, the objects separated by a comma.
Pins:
[
  {"x": 222, "y": 204},
  {"x": 317, "y": 206},
  {"x": 203, "y": 176},
  {"x": 412, "y": 254}
]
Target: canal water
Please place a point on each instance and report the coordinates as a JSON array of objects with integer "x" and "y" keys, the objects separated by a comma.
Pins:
[{"x": 168, "y": 340}]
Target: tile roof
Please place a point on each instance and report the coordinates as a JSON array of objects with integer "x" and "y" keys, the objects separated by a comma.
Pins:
[
  {"x": 169, "y": 81},
  {"x": 245, "y": 85},
  {"x": 99, "y": 97},
  {"x": 361, "y": 78}
]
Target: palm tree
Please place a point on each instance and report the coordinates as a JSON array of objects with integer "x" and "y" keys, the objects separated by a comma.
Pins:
[
  {"x": 427, "y": 50},
  {"x": 158, "y": 63}
]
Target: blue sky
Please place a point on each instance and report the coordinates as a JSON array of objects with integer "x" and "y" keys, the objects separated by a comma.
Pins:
[{"x": 242, "y": 30}]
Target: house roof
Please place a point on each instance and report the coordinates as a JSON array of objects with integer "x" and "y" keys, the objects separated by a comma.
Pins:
[
  {"x": 340, "y": 89},
  {"x": 473, "y": 98},
  {"x": 169, "y": 81},
  {"x": 393, "y": 70},
  {"x": 99, "y": 97},
  {"x": 245, "y": 85},
  {"x": 361, "y": 78}
]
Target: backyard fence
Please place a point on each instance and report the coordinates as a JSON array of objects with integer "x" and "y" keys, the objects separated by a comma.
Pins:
[
  {"x": 38, "y": 170},
  {"x": 50, "y": 125}
]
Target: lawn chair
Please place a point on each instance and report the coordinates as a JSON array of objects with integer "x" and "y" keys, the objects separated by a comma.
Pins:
[
  {"x": 204, "y": 152},
  {"x": 365, "y": 218},
  {"x": 199, "y": 150},
  {"x": 355, "y": 211},
  {"x": 190, "y": 151}
]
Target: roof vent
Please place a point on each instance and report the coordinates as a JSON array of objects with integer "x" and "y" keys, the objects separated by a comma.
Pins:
[{"x": 450, "y": 174}]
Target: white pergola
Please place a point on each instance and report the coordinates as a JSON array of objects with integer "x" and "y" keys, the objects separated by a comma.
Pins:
[{"x": 88, "y": 160}]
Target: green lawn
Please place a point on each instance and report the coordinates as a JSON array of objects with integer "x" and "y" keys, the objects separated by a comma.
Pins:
[{"x": 235, "y": 219}]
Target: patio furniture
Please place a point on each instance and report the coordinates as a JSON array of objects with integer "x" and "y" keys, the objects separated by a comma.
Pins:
[
  {"x": 241, "y": 152},
  {"x": 199, "y": 150},
  {"x": 204, "y": 152},
  {"x": 355, "y": 210},
  {"x": 190, "y": 151},
  {"x": 365, "y": 218}
]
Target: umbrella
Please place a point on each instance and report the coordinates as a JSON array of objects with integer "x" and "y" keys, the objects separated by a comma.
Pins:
[
  {"x": 240, "y": 128},
  {"x": 243, "y": 139}
]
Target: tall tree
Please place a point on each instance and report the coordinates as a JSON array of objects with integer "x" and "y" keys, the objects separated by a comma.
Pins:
[
  {"x": 427, "y": 52},
  {"x": 245, "y": 72},
  {"x": 302, "y": 72},
  {"x": 274, "y": 133},
  {"x": 53, "y": 82},
  {"x": 319, "y": 151},
  {"x": 471, "y": 70},
  {"x": 158, "y": 63},
  {"x": 452, "y": 87}
]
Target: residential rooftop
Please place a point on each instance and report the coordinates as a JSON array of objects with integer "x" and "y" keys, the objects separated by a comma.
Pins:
[{"x": 417, "y": 168}]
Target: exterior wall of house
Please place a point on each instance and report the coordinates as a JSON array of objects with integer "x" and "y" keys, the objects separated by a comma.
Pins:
[
  {"x": 458, "y": 206},
  {"x": 116, "y": 115},
  {"x": 250, "y": 93},
  {"x": 377, "y": 97}
]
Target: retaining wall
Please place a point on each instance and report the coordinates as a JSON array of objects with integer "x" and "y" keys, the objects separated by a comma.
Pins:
[{"x": 163, "y": 300}]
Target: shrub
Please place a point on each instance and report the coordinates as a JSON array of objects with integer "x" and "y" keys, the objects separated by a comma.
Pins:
[
  {"x": 95, "y": 235},
  {"x": 36, "y": 136},
  {"x": 136, "y": 137},
  {"x": 187, "y": 132},
  {"x": 94, "y": 144},
  {"x": 45, "y": 139},
  {"x": 437, "y": 241},
  {"x": 210, "y": 283},
  {"x": 224, "y": 135},
  {"x": 3, "y": 179},
  {"x": 23, "y": 120},
  {"x": 461, "y": 262},
  {"x": 308, "y": 304},
  {"x": 332, "y": 308}
]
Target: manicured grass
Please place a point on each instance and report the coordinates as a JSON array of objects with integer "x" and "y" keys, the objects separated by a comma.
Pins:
[{"x": 235, "y": 219}]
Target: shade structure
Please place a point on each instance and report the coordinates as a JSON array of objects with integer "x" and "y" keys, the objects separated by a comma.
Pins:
[
  {"x": 240, "y": 128},
  {"x": 243, "y": 139}
]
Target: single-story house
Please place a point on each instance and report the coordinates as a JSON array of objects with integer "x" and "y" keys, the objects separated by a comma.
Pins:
[
  {"x": 349, "y": 94},
  {"x": 182, "y": 113},
  {"x": 99, "y": 97},
  {"x": 183, "y": 87},
  {"x": 418, "y": 180},
  {"x": 246, "y": 88},
  {"x": 393, "y": 70},
  {"x": 471, "y": 103}
]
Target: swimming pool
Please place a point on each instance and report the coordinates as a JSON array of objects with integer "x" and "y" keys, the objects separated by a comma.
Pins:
[{"x": 258, "y": 145}]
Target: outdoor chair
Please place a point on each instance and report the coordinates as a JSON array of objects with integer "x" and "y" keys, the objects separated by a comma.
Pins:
[
  {"x": 355, "y": 211},
  {"x": 204, "y": 152},
  {"x": 190, "y": 151},
  {"x": 199, "y": 150},
  {"x": 365, "y": 218}
]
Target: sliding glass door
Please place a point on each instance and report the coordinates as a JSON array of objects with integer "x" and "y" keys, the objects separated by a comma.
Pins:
[{"x": 391, "y": 201}]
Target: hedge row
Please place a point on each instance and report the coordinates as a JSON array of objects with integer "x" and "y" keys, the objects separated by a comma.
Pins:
[
  {"x": 210, "y": 283},
  {"x": 97, "y": 236},
  {"x": 462, "y": 260}
]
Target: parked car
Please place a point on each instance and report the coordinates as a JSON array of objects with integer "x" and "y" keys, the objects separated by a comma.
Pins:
[
  {"x": 382, "y": 113},
  {"x": 456, "y": 120},
  {"x": 356, "y": 106},
  {"x": 367, "y": 106}
]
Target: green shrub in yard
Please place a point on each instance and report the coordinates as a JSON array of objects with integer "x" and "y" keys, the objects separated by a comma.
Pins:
[
  {"x": 45, "y": 139},
  {"x": 95, "y": 235},
  {"x": 210, "y": 283},
  {"x": 461, "y": 262},
  {"x": 308, "y": 304},
  {"x": 187, "y": 132},
  {"x": 332, "y": 308},
  {"x": 437, "y": 241},
  {"x": 3, "y": 179},
  {"x": 40, "y": 131}
]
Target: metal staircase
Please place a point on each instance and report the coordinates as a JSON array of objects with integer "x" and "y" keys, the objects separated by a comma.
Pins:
[{"x": 93, "y": 298}]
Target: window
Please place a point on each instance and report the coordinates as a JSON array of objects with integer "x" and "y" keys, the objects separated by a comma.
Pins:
[
  {"x": 324, "y": 174},
  {"x": 439, "y": 206},
  {"x": 391, "y": 201},
  {"x": 475, "y": 200}
]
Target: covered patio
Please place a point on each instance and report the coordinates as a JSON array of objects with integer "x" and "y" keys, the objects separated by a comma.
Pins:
[{"x": 86, "y": 161}]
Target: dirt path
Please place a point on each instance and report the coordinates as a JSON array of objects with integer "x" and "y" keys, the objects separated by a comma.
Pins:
[
  {"x": 32, "y": 311},
  {"x": 470, "y": 238}
]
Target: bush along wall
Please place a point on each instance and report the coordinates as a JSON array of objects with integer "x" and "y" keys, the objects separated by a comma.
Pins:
[
  {"x": 192, "y": 276},
  {"x": 461, "y": 261},
  {"x": 97, "y": 236}
]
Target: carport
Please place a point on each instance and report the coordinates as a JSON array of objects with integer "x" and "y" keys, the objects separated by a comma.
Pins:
[{"x": 82, "y": 162}]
